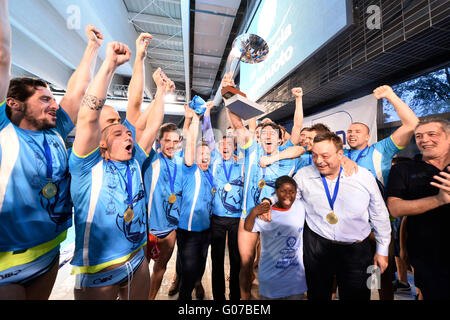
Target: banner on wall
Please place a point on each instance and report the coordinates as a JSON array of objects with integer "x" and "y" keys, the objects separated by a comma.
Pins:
[{"x": 338, "y": 119}]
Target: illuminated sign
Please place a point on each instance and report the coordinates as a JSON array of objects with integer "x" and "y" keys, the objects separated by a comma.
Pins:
[{"x": 294, "y": 30}]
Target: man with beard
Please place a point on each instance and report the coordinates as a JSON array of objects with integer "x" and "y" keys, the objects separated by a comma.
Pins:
[
  {"x": 162, "y": 174},
  {"x": 35, "y": 205}
]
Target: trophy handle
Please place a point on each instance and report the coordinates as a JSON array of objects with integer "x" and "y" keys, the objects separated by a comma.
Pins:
[{"x": 229, "y": 91}]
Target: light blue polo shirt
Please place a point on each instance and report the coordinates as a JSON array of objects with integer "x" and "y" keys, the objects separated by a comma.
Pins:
[
  {"x": 163, "y": 216},
  {"x": 377, "y": 158},
  {"x": 197, "y": 201},
  {"x": 228, "y": 203},
  {"x": 100, "y": 197},
  {"x": 27, "y": 218}
]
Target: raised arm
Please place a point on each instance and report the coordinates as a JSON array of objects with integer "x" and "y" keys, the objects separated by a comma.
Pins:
[
  {"x": 191, "y": 136},
  {"x": 403, "y": 134},
  {"x": 207, "y": 131},
  {"x": 88, "y": 131},
  {"x": 82, "y": 76},
  {"x": 288, "y": 153},
  {"x": 136, "y": 86},
  {"x": 298, "y": 115},
  {"x": 242, "y": 133},
  {"x": 156, "y": 114},
  {"x": 5, "y": 50}
]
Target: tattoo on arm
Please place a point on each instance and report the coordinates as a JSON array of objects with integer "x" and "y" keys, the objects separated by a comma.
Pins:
[{"x": 92, "y": 102}]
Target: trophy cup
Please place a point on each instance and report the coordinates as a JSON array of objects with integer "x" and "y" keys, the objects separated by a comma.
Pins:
[{"x": 248, "y": 48}]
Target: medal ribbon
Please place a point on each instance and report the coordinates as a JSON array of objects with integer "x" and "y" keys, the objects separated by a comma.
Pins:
[
  {"x": 227, "y": 174},
  {"x": 359, "y": 155},
  {"x": 171, "y": 178},
  {"x": 48, "y": 157},
  {"x": 210, "y": 178},
  {"x": 336, "y": 190},
  {"x": 128, "y": 183}
]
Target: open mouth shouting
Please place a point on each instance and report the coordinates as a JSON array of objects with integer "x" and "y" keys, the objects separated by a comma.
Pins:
[{"x": 129, "y": 147}]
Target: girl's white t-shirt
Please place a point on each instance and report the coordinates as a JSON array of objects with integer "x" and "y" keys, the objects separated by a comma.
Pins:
[{"x": 281, "y": 271}]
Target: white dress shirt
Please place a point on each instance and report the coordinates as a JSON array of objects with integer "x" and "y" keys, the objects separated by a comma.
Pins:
[{"x": 359, "y": 207}]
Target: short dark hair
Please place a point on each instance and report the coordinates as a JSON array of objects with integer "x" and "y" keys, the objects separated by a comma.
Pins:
[
  {"x": 285, "y": 179},
  {"x": 305, "y": 128},
  {"x": 167, "y": 127},
  {"x": 275, "y": 127},
  {"x": 319, "y": 128},
  {"x": 329, "y": 136},
  {"x": 23, "y": 88}
]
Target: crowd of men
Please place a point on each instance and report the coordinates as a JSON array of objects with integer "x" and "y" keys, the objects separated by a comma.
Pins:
[{"x": 315, "y": 215}]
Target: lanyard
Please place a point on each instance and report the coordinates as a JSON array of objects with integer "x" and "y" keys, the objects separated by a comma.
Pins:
[
  {"x": 227, "y": 174},
  {"x": 210, "y": 178},
  {"x": 128, "y": 183},
  {"x": 48, "y": 157},
  {"x": 310, "y": 158},
  {"x": 263, "y": 172},
  {"x": 171, "y": 178},
  {"x": 359, "y": 155},
  {"x": 327, "y": 191}
]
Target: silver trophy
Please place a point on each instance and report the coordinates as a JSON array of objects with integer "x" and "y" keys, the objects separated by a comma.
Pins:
[{"x": 248, "y": 48}]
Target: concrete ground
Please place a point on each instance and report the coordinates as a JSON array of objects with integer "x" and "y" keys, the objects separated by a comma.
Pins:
[{"x": 63, "y": 288}]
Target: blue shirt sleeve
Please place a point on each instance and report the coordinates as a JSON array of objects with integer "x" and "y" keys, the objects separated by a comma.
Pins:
[
  {"x": 83, "y": 165},
  {"x": 64, "y": 124},
  {"x": 140, "y": 155},
  {"x": 4, "y": 121},
  {"x": 286, "y": 145},
  {"x": 387, "y": 147}
]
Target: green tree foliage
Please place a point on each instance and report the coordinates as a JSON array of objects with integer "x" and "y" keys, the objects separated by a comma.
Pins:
[{"x": 428, "y": 94}]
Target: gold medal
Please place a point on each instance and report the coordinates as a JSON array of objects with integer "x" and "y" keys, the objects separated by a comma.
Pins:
[
  {"x": 128, "y": 216},
  {"x": 261, "y": 183},
  {"x": 227, "y": 187},
  {"x": 213, "y": 190},
  {"x": 332, "y": 218},
  {"x": 172, "y": 198},
  {"x": 50, "y": 190}
]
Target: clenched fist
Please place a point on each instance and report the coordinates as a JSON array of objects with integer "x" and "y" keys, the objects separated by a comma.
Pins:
[
  {"x": 94, "y": 35},
  {"x": 297, "y": 92},
  {"x": 384, "y": 92},
  {"x": 117, "y": 53}
]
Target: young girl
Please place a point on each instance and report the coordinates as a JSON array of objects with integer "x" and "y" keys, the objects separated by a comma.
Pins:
[{"x": 281, "y": 272}]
